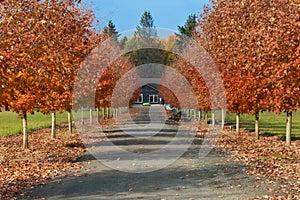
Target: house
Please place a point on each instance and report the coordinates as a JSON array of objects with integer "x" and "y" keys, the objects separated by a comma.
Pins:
[{"x": 150, "y": 94}]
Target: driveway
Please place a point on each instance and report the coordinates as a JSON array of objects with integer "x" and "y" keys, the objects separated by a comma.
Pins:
[{"x": 122, "y": 175}]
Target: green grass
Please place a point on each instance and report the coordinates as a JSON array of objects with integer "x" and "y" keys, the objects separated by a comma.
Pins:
[
  {"x": 270, "y": 123},
  {"x": 11, "y": 124}
]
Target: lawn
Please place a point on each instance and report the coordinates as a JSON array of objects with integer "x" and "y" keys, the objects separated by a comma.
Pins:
[
  {"x": 270, "y": 123},
  {"x": 11, "y": 124}
]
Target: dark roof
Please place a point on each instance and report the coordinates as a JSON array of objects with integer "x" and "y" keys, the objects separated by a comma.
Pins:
[{"x": 153, "y": 86}]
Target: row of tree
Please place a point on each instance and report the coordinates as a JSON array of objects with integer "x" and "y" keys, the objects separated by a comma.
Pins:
[
  {"x": 44, "y": 55},
  {"x": 254, "y": 44},
  {"x": 256, "y": 47},
  {"x": 41, "y": 53},
  {"x": 39, "y": 49}
]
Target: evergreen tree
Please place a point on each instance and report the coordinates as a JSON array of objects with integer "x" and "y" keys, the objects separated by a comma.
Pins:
[
  {"x": 189, "y": 26},
  {"x": 186, "y": 30},
  {"x": 111, "y": 30},
  {"x": 149, "y": 47},
  {"x": 123, "y": 42},
  {"x": 146, "y": 32}
]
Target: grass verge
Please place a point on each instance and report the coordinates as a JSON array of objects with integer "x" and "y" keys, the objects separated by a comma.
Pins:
[
  {"x": 270, "y": 123},
  {"x": 11, "y": 124}
]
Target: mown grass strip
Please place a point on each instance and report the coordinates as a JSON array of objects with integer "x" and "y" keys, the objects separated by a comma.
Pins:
[
  {"x": 270, "y": 123},
  {"x": 11, "y": 124}
]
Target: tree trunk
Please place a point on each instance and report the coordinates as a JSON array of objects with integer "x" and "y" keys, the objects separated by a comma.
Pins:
[
  {"x": 91, "y": 116},
  {"x": 288, "y": 128},
  {"x": 53, "y": 124},
  {"x": 25, "y": 131},
  {"x": 97, "y": 114},
  {"x": 223, "y": 119},
  {"x": 82, "y": 119},
  {"x": 116, "y": 112},
  {"x": 205, "y": 117},
  {"x": 107, "y": 113},
  {"x": 213, "y": 120},
  {"x": 70, "y": 121},
  {"x": 238, "y": 123},
  {"x": 201, "y": 115},
  {"x": 257, "y": 126},
  {"x": 112, "y": 112},
  {"x": 102, "y": 112}
]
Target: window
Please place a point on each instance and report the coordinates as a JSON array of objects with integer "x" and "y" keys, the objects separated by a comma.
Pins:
[
  {"x": 140, "y": 99},
  {"x": 153, "y": 98}
]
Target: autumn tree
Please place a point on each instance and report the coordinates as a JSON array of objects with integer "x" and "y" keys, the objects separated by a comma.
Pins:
[
  {"x": 70, "y": 40},
  {"x": 250, "y": 42},
  {"x": 41, "y": 51},
  {"x": 107, "y": 83}
]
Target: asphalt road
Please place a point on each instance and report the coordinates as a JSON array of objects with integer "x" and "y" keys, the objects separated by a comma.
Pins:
[{"x": 136, "y": 167}]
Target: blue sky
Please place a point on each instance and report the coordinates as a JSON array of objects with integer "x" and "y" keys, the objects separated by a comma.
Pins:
[{"x": 126, "y": 14}]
